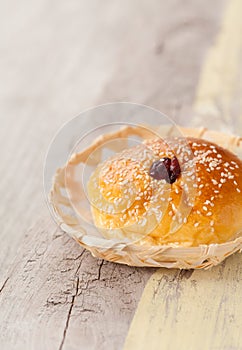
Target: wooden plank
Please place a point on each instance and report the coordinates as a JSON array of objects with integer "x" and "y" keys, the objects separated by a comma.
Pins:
[
  {"x": 201, "y": 311},
  {"x": 219, "y": 81},
  {"x": 204, "y": 311}
]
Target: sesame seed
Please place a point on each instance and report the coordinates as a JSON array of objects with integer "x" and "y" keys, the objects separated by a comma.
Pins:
[{"x": 173, "y": 207}]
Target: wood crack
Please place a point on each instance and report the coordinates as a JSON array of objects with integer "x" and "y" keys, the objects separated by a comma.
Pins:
[
  {"x": 69, "y": 316},
  {"x": 72, "y": 302},
  {"x": 99, "y": 270},
  {"x": 4, "y": 284}
]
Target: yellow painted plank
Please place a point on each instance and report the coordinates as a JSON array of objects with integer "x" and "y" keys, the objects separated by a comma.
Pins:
[
  {"x": 219, "y": 76},
  {"x": 203, "y": 310}
]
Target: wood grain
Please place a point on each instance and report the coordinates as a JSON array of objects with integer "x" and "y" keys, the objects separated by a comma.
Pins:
[
  {"x": 57, "y": 296},
  {"x": 215, "y": 100},
  {"x": 190, "y": 310},
  {"x": 57, "y": 59}
]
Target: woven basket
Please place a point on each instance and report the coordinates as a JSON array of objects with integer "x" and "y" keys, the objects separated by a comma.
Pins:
[{"x": 170, "y": 256}]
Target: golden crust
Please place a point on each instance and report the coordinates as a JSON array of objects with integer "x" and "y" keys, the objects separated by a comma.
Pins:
[{"x": 203, "y": 206}]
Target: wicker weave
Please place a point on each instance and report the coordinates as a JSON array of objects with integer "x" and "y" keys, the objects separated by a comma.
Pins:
[{"x": 133, "y": 254}]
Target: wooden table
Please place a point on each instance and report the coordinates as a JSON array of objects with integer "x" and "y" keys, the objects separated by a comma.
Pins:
[{"x": 58, "y": 58}]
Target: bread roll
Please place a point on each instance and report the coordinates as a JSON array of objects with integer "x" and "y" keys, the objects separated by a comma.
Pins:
[{"x": 182, "y": 191}]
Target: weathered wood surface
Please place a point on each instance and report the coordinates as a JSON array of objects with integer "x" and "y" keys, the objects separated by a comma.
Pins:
[
  {"x": 58, "y": 296},
  {"x": 59, "y": 58},
  {"x": 190, "y": 310}
]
